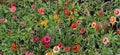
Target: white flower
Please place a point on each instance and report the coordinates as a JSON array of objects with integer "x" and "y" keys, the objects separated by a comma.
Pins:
[{"x": 56, "y": 49}]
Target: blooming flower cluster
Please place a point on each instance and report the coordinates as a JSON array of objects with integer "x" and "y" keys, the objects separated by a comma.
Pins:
[{"x": 57, "y": 27}]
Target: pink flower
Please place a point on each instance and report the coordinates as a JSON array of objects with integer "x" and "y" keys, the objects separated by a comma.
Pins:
[
  {"x": 101, "y": 12},
  {"x": 117, "y": 12},
  {"x": 82, "y": 30},
  {"x": 46, "y": 39},
  {"x": 29, "y": 53},
  {"x": 41, "y": 10},
  {"x": 12, "y": 9},
  {"x": 32, "y": 7},
  {"x": 37, "y": 39},
  {"x": 79, "y": 22},
  {"x": 105, "y": 40}
]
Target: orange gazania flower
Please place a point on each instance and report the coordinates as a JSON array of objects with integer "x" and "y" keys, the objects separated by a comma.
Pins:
[
  {"x": 96, "y": 25},
  {"x": 14, "y": 46},
  {"x": 43, "y": 23},
  {"x": 93, "y": 25},
  {"x": 112, "y": 19},
  {"x": 49, "y": 53},
  {"x": 76, "y": 48},
  {"x": 55, "y": 17},
  {"x": 118, "y": 31}
]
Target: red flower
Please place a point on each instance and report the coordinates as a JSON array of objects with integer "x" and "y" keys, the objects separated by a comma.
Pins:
[
  {"x": 76, "y": 48},
  {"x": 32, "y": 7},
  {"x": 66, "y": 12},
  {"x": 47, "y": 46},
  {"x": 72, "y": 9},
  {"x": 14, "y": 46},
  {"x": 41, "y": 10},
  {"x": 12, "y": 9},
  {"x": 82, "y": 30},
  {"x": 60, "y": 45},
  {"x": 13, "y": 3},
  {"x": 46, "y": 39},
  {"x": 67, "y": 49},
  {"x": 74, "y": 25},
  {"x": 101, "y": 12},
  {"x": 37, "y": 39}
]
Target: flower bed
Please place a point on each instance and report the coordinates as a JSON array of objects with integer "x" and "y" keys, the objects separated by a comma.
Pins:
[{"x": 59, "y": 27}]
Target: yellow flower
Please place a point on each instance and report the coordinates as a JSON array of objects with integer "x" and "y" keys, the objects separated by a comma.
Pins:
[
  {"x": 94, "y": 24},
  {"x": 55, "y": 17},
  {"x": 112, "y": 19},
  {"x": 43, "y": 23},
  {"x": 49, "y": 53}
]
